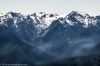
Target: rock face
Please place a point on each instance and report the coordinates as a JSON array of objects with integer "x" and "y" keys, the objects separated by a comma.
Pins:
[{"x": 41, "y": 39}]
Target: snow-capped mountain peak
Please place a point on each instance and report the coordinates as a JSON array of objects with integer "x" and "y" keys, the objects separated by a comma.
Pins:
[
  {"x": 43, "y": 20},
  {"x": 74, "y": 17}
]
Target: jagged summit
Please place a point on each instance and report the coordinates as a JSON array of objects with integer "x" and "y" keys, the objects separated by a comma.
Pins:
[
  {"x": 74, "y": 17},
  {"x": 46, "y": 19},
  {"x": 40, "y": 22}
]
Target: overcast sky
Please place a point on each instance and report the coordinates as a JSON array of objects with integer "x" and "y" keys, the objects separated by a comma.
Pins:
[{"x": 54, "y": 6}]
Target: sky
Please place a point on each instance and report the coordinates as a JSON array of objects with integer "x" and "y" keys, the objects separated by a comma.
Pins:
[{"x": 91, "y": 7}]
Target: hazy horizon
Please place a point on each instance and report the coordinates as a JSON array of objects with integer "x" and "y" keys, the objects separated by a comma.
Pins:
[{"x": 52, "y": 6}]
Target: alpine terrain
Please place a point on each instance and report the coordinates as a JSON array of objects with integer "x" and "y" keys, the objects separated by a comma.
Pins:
[{"x": 50, "y": 39}]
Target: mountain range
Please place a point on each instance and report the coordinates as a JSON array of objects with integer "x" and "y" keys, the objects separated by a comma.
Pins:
[{"x": 46, "y": 39}]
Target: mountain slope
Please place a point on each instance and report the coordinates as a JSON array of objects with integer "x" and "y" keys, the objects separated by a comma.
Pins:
[{"x": 41, "y": 38}]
